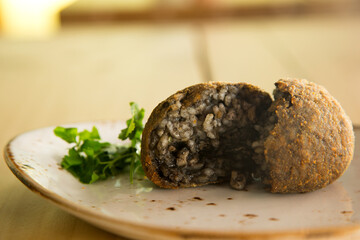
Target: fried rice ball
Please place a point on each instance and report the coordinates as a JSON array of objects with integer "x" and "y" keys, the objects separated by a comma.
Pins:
[{"x": 224, "y": 132}]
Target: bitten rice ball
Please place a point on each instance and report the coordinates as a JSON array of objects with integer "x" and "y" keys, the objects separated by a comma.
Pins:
[{"x": 223, "y": 132}]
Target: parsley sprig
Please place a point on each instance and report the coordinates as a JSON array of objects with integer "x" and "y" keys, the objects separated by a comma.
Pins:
[{"x": 90, "y": 159}]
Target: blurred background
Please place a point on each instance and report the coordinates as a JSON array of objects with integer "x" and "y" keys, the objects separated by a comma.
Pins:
[
  {"x": 64, "y": 61},
  {"x": 78, "y": 60}
]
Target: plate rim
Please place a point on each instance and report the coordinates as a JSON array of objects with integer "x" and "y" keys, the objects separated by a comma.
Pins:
[{"x": 80, "y": 210}]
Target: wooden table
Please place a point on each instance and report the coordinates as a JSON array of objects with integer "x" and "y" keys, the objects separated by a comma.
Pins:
[{"x": 92, "y": 72}]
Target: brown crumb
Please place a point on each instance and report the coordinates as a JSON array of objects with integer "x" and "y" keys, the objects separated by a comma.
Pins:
[
  {"x": 171, "y": 209},
  {"x": 250, "y": 215},
  {"x": 211, "y": 204}
]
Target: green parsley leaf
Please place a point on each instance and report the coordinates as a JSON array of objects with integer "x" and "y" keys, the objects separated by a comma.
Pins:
[
  {"x": 127, "y": 131},
  {"x": 86, "y": 135},
  {"x": 73, "y": 159},
  {"x": 91, "y": 160},
  {"x": 134, "y": 125},
  {"x": 93, "y": 147},
  {"x": 66, "y": 134},
  {"x": 94, "y": 177}
]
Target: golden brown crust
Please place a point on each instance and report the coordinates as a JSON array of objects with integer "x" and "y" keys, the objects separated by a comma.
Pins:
[
  {"x": 313, "y": 142},
  {"x": 189, "y": 95}
]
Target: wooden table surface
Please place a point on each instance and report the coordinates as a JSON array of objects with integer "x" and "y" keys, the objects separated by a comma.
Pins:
[{"x": 92, "y": 72}]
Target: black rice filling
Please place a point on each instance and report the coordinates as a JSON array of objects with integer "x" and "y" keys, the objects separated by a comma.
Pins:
[{"x": 218, "y": 138}]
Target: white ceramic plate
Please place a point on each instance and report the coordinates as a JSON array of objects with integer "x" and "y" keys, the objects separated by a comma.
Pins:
[{"x": 145, "y": 211}]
